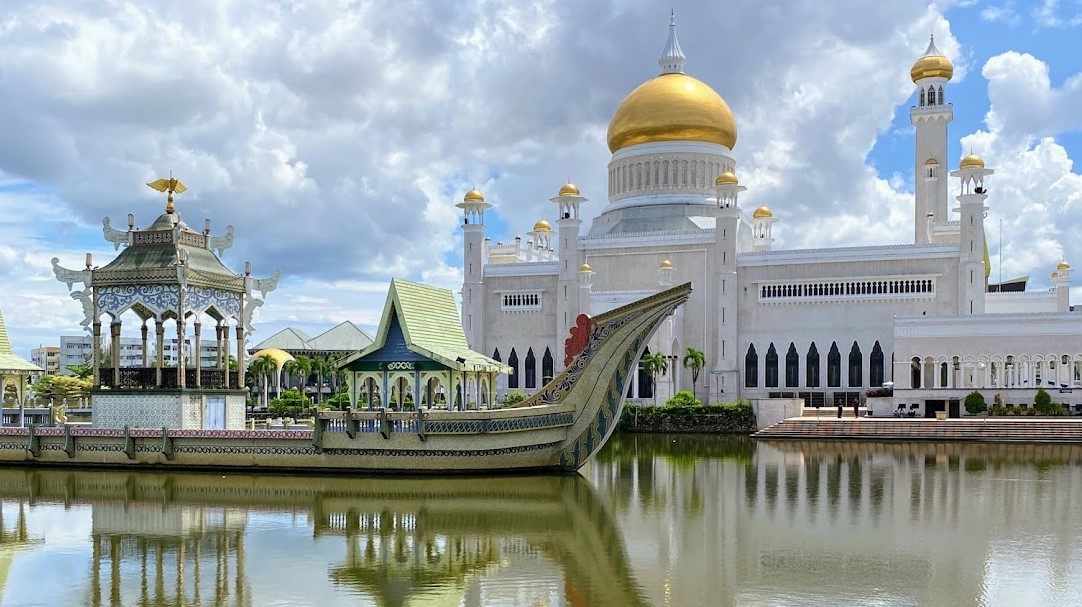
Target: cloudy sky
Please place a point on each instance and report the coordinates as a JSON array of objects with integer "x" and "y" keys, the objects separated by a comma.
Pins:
[{"x": 337, "y": 135}]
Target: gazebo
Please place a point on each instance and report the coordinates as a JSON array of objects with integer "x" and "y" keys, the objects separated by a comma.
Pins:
[
  {"x": 167, "y": 272},
  {"x": 14, "y": 371},
  {"x": 420, "y": 357}
]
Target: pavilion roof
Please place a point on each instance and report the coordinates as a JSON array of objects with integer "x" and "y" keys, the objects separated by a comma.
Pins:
[
  {"x": 288, "y": 339},
  {"x": 8, "y": 360},
  {"x": 431, "y": 327},
  {"x": 346, "y": 337}
]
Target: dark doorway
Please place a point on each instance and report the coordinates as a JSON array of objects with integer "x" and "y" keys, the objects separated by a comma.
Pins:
[
  {"x": 931, "y": 406},
  {"x": 953, "y": 410}
]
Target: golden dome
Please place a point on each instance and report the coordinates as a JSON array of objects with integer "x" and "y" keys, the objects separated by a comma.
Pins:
[
  {"x": 569, "y": 189},
  {"x": 585, "y": 268},
  {"x": 672, "y": 107},
  {"x": 932, "y": 65},
  {"x": 971, "y": 161},
  {"x": 762, "y": 212},
  {"x": 542, "y": 226},
  {"x": 727, "y": 178},
  {"x": 930, "y": 162},
  {"x": 1055, "y": 274},
  {"x": 473, "y": 196},
  {"x": 280, "y": 357},
  {"x": 1063, "y": 265},
  {"x": 666, "y": 265}
]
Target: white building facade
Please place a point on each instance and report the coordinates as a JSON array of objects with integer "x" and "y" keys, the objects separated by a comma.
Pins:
[
  {"x": 822, "y": 324},
  {"x": 75, "y": 350}
]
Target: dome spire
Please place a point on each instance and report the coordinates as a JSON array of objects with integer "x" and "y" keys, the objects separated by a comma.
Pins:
[
  {"x": 932, "y": 51},
  {"x": 672, "y": 59}
]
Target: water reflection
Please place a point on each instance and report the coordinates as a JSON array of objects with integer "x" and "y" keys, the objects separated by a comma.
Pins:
[
  {"x": 657, "y": 520},
  {"x": 180, "y": 539}
]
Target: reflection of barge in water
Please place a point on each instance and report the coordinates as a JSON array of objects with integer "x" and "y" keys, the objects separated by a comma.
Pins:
[
  {"x": 403, "y": 536},
  {"x": 557, "y": 429}
]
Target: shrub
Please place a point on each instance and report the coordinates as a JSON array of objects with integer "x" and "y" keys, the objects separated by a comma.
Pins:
[
  {"x": 513, "y": 398},
  {"x": 291, "y": 404},
  {"x": 683, "y": 398},
  {"x": 975, "y": 403},
  {"x": 997, "y": 411},
  {"x": 339, "y": 401},
  {"x": 1042, "y": 402}
]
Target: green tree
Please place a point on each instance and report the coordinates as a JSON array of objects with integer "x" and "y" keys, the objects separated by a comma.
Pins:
[
  {"x": 320, "y": 366},
  {"x": 1042, "y": 402},
  {"x": 653, "y": 364},
  {"x": 83, "y": 371},
  {"x": 300, "y": 367},
  {"x": 262, "y": 367},
  {"x": 694, "y": 360},
  {"x": 60, "y": 387},
  {"x": 975, "y": 403}
]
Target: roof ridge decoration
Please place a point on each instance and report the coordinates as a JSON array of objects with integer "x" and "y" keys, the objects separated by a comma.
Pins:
[{"x": 672, "y": 58}]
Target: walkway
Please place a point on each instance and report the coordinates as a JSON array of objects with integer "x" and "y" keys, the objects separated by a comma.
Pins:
[{"x": 1030, "y": 430}]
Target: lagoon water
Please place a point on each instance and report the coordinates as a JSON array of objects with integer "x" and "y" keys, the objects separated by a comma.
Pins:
[{"x": 656, "y": 520}]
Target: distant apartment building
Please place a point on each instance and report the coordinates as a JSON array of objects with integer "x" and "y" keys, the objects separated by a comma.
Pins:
[
  {"x": 75, "y": 350},
  {"x": 46, "y": 357}
]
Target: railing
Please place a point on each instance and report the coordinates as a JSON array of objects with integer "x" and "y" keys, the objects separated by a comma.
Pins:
[{"x": 145, "y": 378}]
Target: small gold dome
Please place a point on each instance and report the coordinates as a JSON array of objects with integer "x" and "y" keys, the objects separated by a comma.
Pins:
[
  {"x": 727, "y": 178},
  {"x": 930, "y": 162},
  {"x": 473, "y": 196},
  {"x": 971, "y": 161},
  {"x": 931, "y": 65},
  {"x": 672, "y": 107},
  {"x": 569, "y": 189},
  {"x": 762, "y": 212},
  {"x": 585, "y": 268},
  {"x": 666, "y": 265},
  {"x": 542, "y": 226},
  {"x": 1063, "y": 265},
  {"x": 1055, "y": 274}
]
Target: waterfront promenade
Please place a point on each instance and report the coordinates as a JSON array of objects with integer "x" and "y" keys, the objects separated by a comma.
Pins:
[{"x": 993, "y": 429}]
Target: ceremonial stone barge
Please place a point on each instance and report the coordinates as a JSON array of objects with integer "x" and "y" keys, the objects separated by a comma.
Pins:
[{"x": 557, "y": 429}]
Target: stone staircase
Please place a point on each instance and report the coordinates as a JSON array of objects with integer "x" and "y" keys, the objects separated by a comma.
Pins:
[{"x": 1030, "y": 430}]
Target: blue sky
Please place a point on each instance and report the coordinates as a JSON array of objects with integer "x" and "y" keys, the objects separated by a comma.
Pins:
[{"x": 338, "y": 136}]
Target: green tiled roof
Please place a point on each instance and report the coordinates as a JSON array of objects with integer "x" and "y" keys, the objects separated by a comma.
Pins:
[
  {"x": 431, "y": 326},
  {"x": 8, "y": 360},
  {"x": 158, "y": 256}
]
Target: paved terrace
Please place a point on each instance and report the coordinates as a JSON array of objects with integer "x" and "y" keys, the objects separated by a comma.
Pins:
[{"x": 994, "y": 429}]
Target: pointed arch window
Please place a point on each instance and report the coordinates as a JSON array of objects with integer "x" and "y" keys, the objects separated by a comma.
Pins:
[
  {"x": 834, "y": 366},
  {"x": 496, "y": 355},
  {"x": 512, "y": 361},
  {"x": 875, "y": 368},
  {"x": 914, "y": 373},
  {"x": 942, "y": 99},
  {"x": 546, "y": 367},
  {"x": 646, "y": 383},
  {"x": 531, "y": 370},
  {"x": 856, "y": 367},
  {"x": 751, "y": 368},
  {"x": 931, "y": 95},
  {"x": 922, "y": 97},
  {"x": 811, "y": 371},
  {"x": 792, "y": 367},
  {"x": 771, "y": 367}
]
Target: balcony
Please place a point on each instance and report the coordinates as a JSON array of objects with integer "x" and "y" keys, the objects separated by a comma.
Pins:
[{"x": 145, "y": 378}]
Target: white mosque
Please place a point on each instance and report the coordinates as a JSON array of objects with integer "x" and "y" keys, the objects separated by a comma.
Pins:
[{"x": 821, "y": 324}]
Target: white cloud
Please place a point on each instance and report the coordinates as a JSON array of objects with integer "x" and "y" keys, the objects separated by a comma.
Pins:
[
  {"x": 337, "y": 136},
  {"x": 1002, "y": 14}
]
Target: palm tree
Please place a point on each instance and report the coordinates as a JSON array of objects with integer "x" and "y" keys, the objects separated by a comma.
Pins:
[
  {"x": 302, "y": 367},
  {"x": 320, "y": 366},
  {"x": 694, "y": 360},
  {"x": 263, "y": 366},
  {"x": 653, "y": 364}
]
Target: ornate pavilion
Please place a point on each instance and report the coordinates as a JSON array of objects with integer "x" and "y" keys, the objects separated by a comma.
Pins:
[
  {"x": 420, "y": 356},
  {"x": 14, "y": 371},
  {"x": 167, "y": 272}
]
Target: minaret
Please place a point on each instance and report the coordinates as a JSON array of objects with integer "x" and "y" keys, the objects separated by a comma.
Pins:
[
  {"x": 930, "y": 117},
  {"x": 972, "y": 282},
  {"x": 473, "y": 207},
  {"x": 568, "y": 297},
  {"x": 1061, "y": 281},
  {"x": 586, "y": 286},
  {"x": 726, "y": 372},
  {"x": 762, "y": 222}
]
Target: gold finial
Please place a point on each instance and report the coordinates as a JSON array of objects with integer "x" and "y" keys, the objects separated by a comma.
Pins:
[{"x": 172, "y": 185}]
